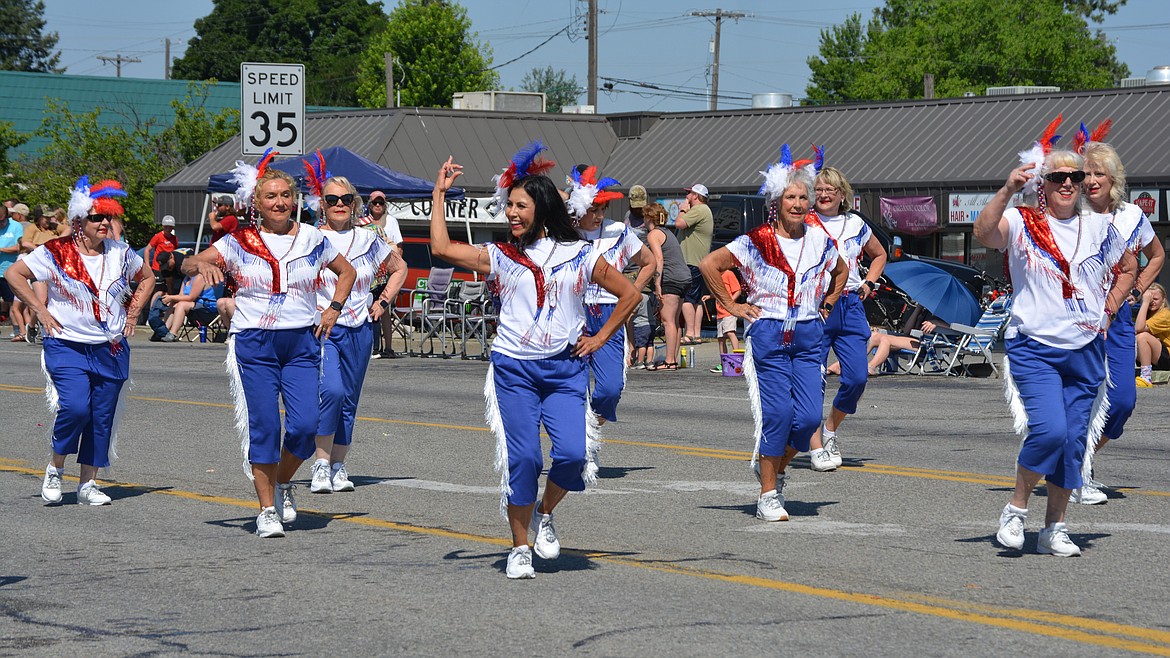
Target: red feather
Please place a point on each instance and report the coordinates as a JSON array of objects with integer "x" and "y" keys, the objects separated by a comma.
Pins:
[
  {"x": 1101, "y": 131},
  {"x": 104, "y": 195},
  {"x": 509, "y": 176},
  {"x": 589, "y": 176},
  {"x": 800, "y": 164},
  {"x": 604, "y": 197},
  {"x": 539, "y": 166},
  {"x": 265, "y": 161},
  {"x": 1049, "y": 132},
  {"x": 315, "y": 175}
]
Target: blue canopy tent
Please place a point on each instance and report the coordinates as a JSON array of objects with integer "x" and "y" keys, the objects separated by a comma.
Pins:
[{"x": 365, "y": 175}]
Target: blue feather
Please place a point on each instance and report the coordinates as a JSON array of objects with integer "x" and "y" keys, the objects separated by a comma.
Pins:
[
  {"x": 785, "y": 155},
  {"x": 818, "y": 157},
  {"x": 607, "y": 182},
  {"x": 575, "y": 175},
  {"x": 82, "y": 182},
  {"x": 524, "y": 157}
]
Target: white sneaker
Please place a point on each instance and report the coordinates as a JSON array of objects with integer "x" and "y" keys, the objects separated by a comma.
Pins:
[
  {"x": 90, "y": 494},
  {"x": 546, "y": 543},
  {"x": 268, "y": 523},
  {"x": 833, "y": 450},
  {"x": 1054, "y": 541},
  {"x": 51, "y": 487},
  {"x": 821, "y": 460},
  {"x": 320, "y": 483},
  {"x": 340, "y": 478},
  {"x": 520, "y": 564},
  {"x": 286, "y": 502},
  {"x": 770, "y": 507},
  {"x": 1011, "y": 527},
  {"x": 1088, "y": 495}
]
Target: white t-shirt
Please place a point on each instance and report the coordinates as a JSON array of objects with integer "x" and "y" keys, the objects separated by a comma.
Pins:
[
  {"x": 540, "y": 321},
  {"x": 849, "y": 233},
  {"x": 812, "y": 259},
  {"x": 1039, "y": 309},
  {"x": 366, "y": 252},
  {"x": 617, "y": 244},
  {"x": 393, "y": 233},
  {"x": 71, "y": 302},
  {"x": 299, "y": 260}
]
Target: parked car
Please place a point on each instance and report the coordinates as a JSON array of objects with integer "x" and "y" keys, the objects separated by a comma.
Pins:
[{"x": 419, "y": 261}]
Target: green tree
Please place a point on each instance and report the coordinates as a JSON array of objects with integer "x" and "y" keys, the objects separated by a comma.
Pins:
[
  {"x": 968, "y": 45},
  {"x": 327, "y": 36},
  {"x": 435, "y": 55},
  {"x": 24, "y": 46},
  {"x": 560, "y": 89},
  {"x": 138, "y": 156}
]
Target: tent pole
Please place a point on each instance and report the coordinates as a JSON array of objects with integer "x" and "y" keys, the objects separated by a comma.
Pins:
[{"x": 202, "y": 221}]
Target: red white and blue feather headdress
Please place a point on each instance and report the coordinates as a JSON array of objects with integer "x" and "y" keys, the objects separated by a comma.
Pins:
[
  {"x": 1083, "y": 137},
  {"x": 1039, "y": 151},
  {"x": 101, "y": 199},
  {"x": 245, "y": 176},
  {"x": 778, "y": 174},
  {"x": 526, "y": 162},
  {"x": 586, "y": 191},
  {"x": 315, "y": 175}
]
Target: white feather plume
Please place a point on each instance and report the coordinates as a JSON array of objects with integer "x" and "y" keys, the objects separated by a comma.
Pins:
[
  {"x": 244, "y": 176},
  {"x": 80, "y": 202},
  {"x": 775, "y": 182},
  {"x": 580, "y": 199},
  {"x": 1034, "y": 155}
]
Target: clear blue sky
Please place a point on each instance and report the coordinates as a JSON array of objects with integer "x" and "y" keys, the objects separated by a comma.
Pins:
[{"x": 651, "y": 41}]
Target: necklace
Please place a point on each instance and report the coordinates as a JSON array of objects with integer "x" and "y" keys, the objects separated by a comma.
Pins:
[
  {"x": 295, "y": 233},
  {"x": 102, "y": 293}
]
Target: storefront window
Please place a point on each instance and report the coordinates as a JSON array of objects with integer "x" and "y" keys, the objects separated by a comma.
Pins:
[{"x": 953, "y": 247}]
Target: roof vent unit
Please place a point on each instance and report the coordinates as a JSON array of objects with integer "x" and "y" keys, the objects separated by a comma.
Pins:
[
  {"x": 771, "y": 100},
  {"x": 579, "y": 109},
  {"x": 1020, "y": 89},
  {"x": 1159, "y": 75},
  {"x": 1132, "y": 82},
  {"x": 499, "y": 101}
]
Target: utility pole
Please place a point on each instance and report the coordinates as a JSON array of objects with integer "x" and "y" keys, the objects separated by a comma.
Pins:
[
  {"x": 118, "y": 60},
  {"x": 719, "y": 15},
  {"x": 389, "y": 79},
  {"x": 928, "y": 85},
  {"x": 592, "y": 74},
  {"x": 167, "y": 65}
]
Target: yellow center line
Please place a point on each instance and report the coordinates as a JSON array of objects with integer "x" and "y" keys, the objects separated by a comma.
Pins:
[
  {"x": 1037, "y": 622},
  {"x": 690, "y": 451}
]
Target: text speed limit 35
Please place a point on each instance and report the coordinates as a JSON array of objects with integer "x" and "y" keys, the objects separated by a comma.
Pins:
[{"x": 272, "y": 108}]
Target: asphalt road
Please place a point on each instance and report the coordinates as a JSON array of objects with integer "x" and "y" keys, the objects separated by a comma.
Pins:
[{"x": 890, "y": 555}]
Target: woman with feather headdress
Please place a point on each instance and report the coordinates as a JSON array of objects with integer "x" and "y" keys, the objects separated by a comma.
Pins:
[
  {"x": 1061, "y": 263},
  {"x": 89, "y": 314},
  {"x": 349, "y": 343},
  {"x": 538, "y": 372},
  {"x": 1105, "y": 193},
  {"x": 274, "y": 351},
  {"x": 793, "y": 275},
  {"x": 847, "y": 328},
  {"x": 619, "y": 246}
]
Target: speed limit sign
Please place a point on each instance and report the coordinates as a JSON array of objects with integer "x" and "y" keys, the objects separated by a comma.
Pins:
[{"x": 272, "y": 108}]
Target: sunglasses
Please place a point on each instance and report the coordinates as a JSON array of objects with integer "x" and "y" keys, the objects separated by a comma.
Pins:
[
  {"x": 98, "y": 219},
  {"x": 377, "y": 202},
  {"x": 346, "y": 199},
  {"x": 1059, "y": 177}
]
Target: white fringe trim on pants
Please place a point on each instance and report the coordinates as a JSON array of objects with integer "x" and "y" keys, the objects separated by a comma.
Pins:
[
  {"x": 236, "y": 386},
  {"x": 753, "y": 386},
  {"x": 495, "y": 424},
  {"x": 592, "y": 446},
  {"x": 1097, "y": 419}
]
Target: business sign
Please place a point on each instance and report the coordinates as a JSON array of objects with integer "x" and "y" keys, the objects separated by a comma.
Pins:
[
  {"x": 272, "y": 108},
  {"x": 916, "y": 215},
  {"x": 964, "y": 208},
  {"x": 474, "y": 210},
  {"x": 1147, "y": 200}
]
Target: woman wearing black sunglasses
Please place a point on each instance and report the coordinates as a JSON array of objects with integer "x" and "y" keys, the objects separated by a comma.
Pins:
[
  {"x": 88, "y": 316},
  {"x": 1061, "y": 263},
  {"x": 347, "y": 348},
  {"x": 274, "y": 351}
]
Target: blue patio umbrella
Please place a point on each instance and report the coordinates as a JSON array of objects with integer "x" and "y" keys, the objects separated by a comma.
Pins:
[{"x": 936, "y": 290}]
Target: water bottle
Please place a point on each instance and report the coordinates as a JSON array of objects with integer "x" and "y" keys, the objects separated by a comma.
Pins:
[
  {"x": 202, "y": 333},
  {"x": 682, "y": 361}
]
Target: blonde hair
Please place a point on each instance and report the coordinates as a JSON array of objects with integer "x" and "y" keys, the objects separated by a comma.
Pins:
[
  {"x": 1159, "y": 288},
  {"x": 833, "y": 177},
  {"x": 272, "y": 173},
  {"x": 1105, "y": 156},
  {"x": 655, "y": 213}
]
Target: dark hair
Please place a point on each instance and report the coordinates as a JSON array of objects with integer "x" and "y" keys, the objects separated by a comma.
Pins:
[{"x": 550, "y": 214}]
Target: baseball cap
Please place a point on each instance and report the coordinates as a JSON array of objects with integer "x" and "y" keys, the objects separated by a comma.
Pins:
[
  {"x": 637, "y": 197},
  {"x": 168, "y": 220},
  {"x": 21, "y": 209},
  {"x": 377, "y": 194},
  {"x": 701, "y": 190},
  {"x": 225, "y": 200}
]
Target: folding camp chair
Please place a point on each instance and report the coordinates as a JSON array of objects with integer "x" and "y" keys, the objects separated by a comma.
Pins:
[
  {"x": 949, "y": 349},
  {"x": 431, "y": 315},
  {"x": 472, "y": 315}
]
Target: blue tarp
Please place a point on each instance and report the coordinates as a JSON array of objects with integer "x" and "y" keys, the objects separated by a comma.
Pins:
[{"x": 366, "y": 176}]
